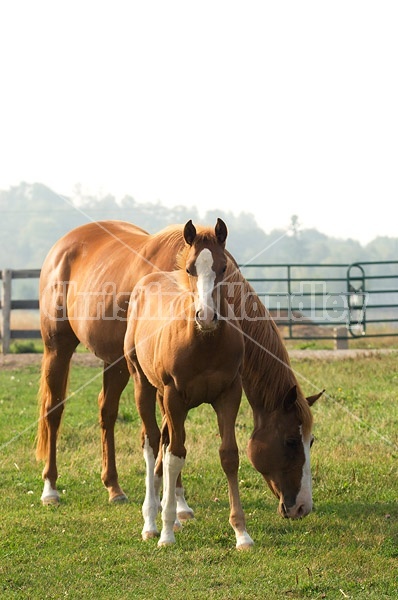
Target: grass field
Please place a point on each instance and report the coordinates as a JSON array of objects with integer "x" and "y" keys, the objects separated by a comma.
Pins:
[{"x": 86, "y": 548}]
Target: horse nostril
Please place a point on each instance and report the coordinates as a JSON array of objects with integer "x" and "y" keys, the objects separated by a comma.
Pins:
[
  {"x": 300, "y": 511},
  {"x": 197, "y": 314},
  {"x": 215, "y": 318}
]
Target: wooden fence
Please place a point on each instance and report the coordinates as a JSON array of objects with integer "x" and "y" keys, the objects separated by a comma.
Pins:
[{"x": 7, "y": 304}]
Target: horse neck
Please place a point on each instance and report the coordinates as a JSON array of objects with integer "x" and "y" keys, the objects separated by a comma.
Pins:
[{"x": 267, "y": 374}]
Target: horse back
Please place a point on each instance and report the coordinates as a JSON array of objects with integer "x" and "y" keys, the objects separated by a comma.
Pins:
[{"x": 85, "y": 284}]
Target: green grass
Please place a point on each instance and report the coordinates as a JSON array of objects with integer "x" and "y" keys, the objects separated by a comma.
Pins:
[
  {"x": 86, "y": 548},
  {"x": 24, "y": 346}
]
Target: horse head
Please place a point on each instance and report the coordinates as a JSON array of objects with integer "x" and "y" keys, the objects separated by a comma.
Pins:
[
  {"x": 280, "y": 450},
  {"x": 205, "y": 264}
]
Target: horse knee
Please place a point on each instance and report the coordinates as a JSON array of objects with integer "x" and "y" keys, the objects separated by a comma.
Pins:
[
  {"x": 107, "y": 415},
  {"x": 229, "y": 459}
]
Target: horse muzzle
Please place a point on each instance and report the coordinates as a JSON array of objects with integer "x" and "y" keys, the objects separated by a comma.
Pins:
[
  {"x": 297, "y": 511},
  {"x": 207, "y": 320}
]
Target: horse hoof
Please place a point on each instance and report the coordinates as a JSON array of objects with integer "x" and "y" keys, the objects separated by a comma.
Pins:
[
  {"x": 149, "y": 535},
  {"x": 177, "y": 526},
  {"x": 120, "y": 499},
  {"x": 244, "y": 541},
  {"x": 244, "y": 547},
  {"x": 165, "y": 544},
  {"x": 185, "y": 515},
  {"x": 50, "y": 500}
]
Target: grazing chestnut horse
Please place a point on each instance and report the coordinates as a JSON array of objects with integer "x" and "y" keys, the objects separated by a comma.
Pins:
[
  {"x": 85, "y": 286},
  {"x": 180, "y": 343}
]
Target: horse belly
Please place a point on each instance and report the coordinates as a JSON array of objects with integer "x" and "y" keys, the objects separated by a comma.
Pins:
[
  {"x": 99, "y": 324},
  {"x": 105, "y": 340}
]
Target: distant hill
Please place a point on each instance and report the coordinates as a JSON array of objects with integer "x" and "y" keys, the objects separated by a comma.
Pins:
[{"x": 33, "y": 217}]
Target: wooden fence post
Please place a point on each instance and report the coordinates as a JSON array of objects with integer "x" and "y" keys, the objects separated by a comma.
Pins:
[
  {"x": 6, "y": 309},
  {"x": 340, "y": 338}
]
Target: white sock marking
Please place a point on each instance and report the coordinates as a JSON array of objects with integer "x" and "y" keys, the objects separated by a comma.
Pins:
[
  {"x": 172, "y": 466},
  {"x": 182, "y": 506},
  {"x": 49, "y": 495},
  {"x": 150, "y": 506}
]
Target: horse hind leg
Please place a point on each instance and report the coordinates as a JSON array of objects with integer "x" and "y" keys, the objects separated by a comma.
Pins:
[
  {"x": 184, "y": 512},
  {"x": 52, "y": 396},
  {"x": 115, "y": 379}
]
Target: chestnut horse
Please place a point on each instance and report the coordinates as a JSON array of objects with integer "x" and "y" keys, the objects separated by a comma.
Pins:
[
  {"x": 85, "y": 286},
  {"x": 180, "y": 344}
]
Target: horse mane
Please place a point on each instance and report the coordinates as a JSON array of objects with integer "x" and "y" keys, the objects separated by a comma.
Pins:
[
  {"x": 267, "y": 370},
  {"x": 171, "y": 238}
]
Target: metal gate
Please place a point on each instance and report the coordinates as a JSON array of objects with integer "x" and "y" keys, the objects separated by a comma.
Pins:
[{"x": 329, "y": 301}]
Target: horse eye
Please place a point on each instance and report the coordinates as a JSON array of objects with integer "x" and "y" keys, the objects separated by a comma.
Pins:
[
  {"x": 292, "y": 443},
  {"x": 188, "y": 271}
]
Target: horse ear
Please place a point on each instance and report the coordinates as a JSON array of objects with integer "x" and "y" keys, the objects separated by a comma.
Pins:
[
  {"x": 189, "y": 232},
  {"x": 290, "y": 398},
  {"x": 312, "y": 399},
  {"x": 221, "y": 231}
]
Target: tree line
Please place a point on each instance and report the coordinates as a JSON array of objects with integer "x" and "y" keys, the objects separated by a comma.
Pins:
[{"x": 33, "y": 217}]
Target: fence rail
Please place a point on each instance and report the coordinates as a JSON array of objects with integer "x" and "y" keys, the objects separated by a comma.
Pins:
[
  {"x": 321, "y": 301},
  {"x": 307, "y": 301}
]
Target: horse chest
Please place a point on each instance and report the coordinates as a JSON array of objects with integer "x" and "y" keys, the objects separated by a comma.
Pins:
[
  {"x": 202, "y": 377},
  {"x": 204, "y": 389}
]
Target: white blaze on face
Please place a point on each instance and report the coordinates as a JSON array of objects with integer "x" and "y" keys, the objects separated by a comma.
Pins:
[
  {"x": 304, "y": 497},
  {"x": 204, "y": 305}
]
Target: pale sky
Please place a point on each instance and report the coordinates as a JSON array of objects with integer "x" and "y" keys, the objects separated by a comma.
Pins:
[{"x": 275, "y": 108}]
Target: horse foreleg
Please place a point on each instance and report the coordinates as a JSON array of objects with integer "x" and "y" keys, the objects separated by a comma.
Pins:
[
  {"x": 184, "y": 512},
  {"x": 150, "y": 507},
  {"x": 115, "y": 379},
  {"x": 172, "y": 466},
  {"x": 226, "y": 408},
  {"x": 145, "y": 399},
  {"x": 173, "y": 456}
]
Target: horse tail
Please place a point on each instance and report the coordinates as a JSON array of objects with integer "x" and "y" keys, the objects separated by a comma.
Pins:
[{"x": 42, "y": 430}]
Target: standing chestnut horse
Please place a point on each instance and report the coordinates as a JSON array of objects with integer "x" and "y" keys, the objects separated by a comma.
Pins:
[
  {"x": 180, "y": 343},
  {"x": 85, "y": 286}
]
